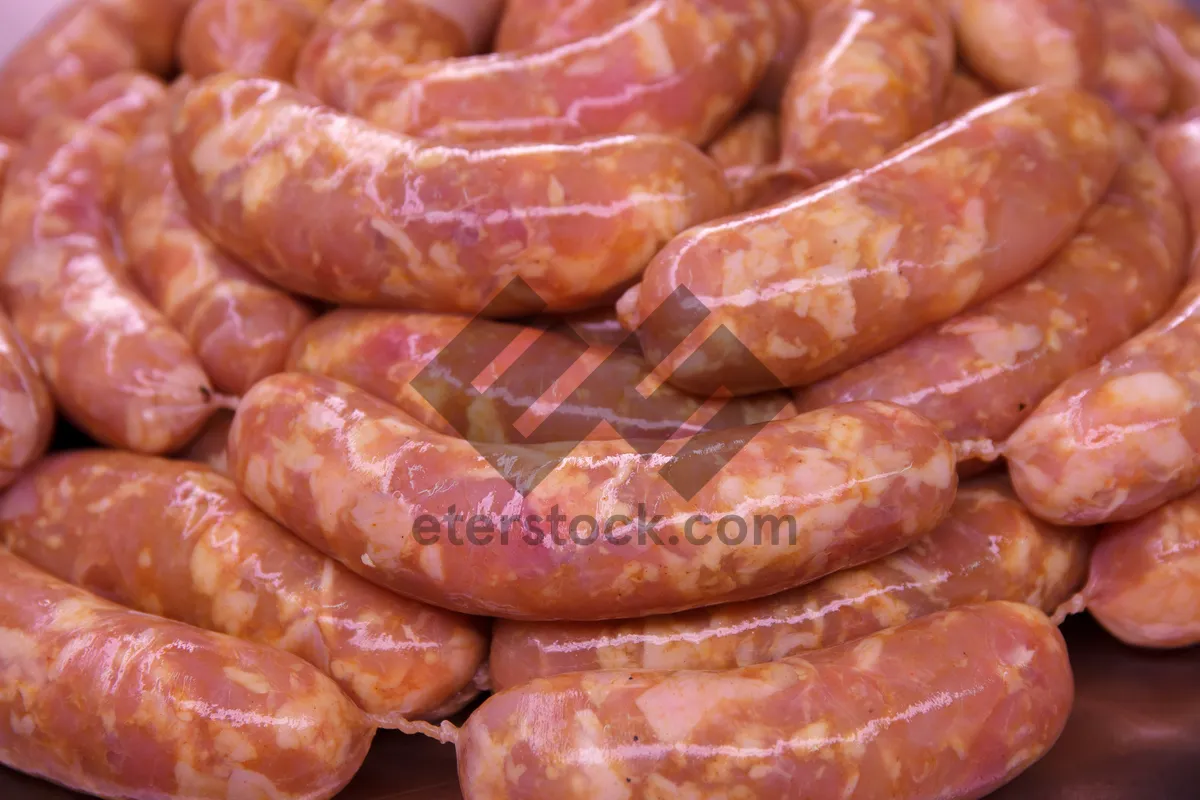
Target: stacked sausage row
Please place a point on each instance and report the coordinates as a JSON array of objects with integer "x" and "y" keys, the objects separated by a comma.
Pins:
[{"x": 882, "y": 304}]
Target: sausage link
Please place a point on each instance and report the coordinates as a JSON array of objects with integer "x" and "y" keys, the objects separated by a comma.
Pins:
[
  {"x": 329, "y": 206},
  {"x": 546, "y": 24},
  {"x": 114, "y": 363},
  {"x": 824, "y": 281},
  {"x": 1133, "y": 76},
  {"x": 1177, "y": 145},
  {"x": 980, "y": 374},
  {"x": 1015, "y": 44},
  {"x": 870, "y": 79},
  {"x": 588, "y": 393},
  {"x": 988, "y": 548},
  {"x": 240, "y": 327},
  {"x": 1144, "y": 583},
  {"x": 77, "y": 47},
  {"x": 952, "y": 705},
  {"x": 357, "y": 41},
  {"x": 751, "y": 141},
  {"x": 1177, "y": 32},
  {"x": 247, "y": 37},
  {"x": 180, "y": 541},
  {"x": 210, "y": 447},
  {"x": 116, "y": 703},
  {"x": 1121, "y": 438},
  {"x": 678, "y": 67},
  {"x": 963, "y": 94},
  {"x": 823, "y": 492},
  {"x": 26, "y": 408}
]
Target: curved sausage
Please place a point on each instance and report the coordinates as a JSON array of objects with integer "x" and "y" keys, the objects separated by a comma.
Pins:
[
  {"x": 677, "y": 67},
  {"x": 751, "y": 141},
  {"x": 1133, "y": 75},
  {"x": 1015, "y": 44},
  {"x": 1121, "y": 438},
  {"x": 240, "y": 327},
  {"x": 963, "y": 94},
  {"x": 358, "y": 41},
  {"x": 870, "y": 79},
  {"x": 546, "y": 24},
  {"x": 1177, "y": 145},
  {"x": 600, "y": 534},
  {"x": 120, "y": 704},
  {"x": 248, "y": 37},
  {"x": 1177, "y": 32},
  {"x": 980, "y": 374},
  {"x": 114, "y": 363},
  {"x": 1144, "y": 582},
  {"x": 951, "y": 705},
  {"x": 26, "y": 408},
  {"x": 79, "y": 46},
  {"x": 987, "y": 548},
  {"x": 825, "y": 280},
  {"x": 329, "y": 206},
  {"x": 427, "y": 365},
  {"x": 180, "y": 541},
  {"x": 210, "y": 447}
]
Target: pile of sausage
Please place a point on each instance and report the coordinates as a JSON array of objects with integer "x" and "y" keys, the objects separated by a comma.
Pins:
[{"x": 303, "y": 267}]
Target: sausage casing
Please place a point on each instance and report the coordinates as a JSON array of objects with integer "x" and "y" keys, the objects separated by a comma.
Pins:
[
  {"x": 987, "y": 548},
  {"x": 586, "y": 393},
  {"x": 248, "y": 37},
  {"x": 177, "y": 540},
  {"x": 116, "y": 703},
  {"x": 678, "y": 67},
  {"x": 1144, "y": 582},
  {"x": 870, "y": 79},
  {"x": 356, "y": 41},
  {"x": 114, "y": 364},
  {"x": 329, "y": 206},
  {"x": 80, "y": 45},
  {"x": 813, "y": 494},
  {"x": 26, "y": 408},
  {"x": 825, "y": 280},
  {"x": 978, "y": 375},
  {"x": 239, "y": 327},
  {"x": 951, "y": 705},
  {"x": 1133, "y": 76},
  {"x": 1015, "y": 44}
]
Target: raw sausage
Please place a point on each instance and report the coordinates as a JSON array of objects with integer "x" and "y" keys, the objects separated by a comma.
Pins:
[
  {"x": 1177, "y": 145},
  {"x": 1015, "y": 44},
  {"x": 980, "y": 374},
  {"x": 952, "y": 705},
  {"x": 678, "y": 67},
  {"x": 239, "y": 327},
  {"x": 1133, "y": 75},
  {"x": 113, "y": 362},
  {"x": 964, "y": 93},
  {"x": 77, "y": 47},
  {"x": 601, "y": 534},
  {"x": 988, "y": 548},
  {"x": 26, "y": 408},
  {"x": 825, "y": 280},
  {"x": 358, "y": 41},
  {"x": 1144, "y": 583},
  {"x": 249, "y": 37},
  {"x": 870, "y": 79},
  {"x": 428, "y": 365},
  {"x": 751, "y": 141},
  {"x": 1119, "y": 439},
  {"x": 180, "y": 541},
  {"x": 1177, "y": 32},
  {"x": 115, "y": 703},
  {"x": 546, "y": 24},
  {"x": 329, "y": 206}
]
